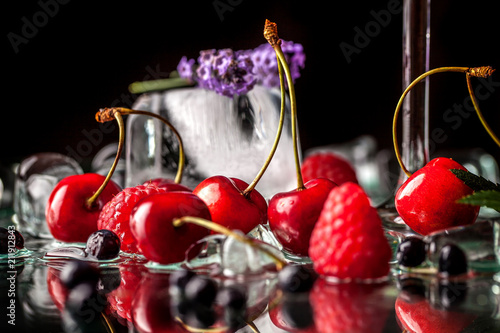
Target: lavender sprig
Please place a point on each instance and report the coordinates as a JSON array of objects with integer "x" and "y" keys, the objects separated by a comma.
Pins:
[{"x": 230, "y": 73}]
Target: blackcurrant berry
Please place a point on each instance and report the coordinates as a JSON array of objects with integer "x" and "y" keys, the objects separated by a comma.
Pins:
[
  {"x": 110, "y": 279},
  {"x": 180, "y": 278},
  {"x": 297, "y": 311},
  {"x": 452, "y": 261},
  {"x": 411, "y": 252},
  {"x": 231, "y": 297},
  {"x": 77, "y": 271},
  {"x": 451, "y": 294},
  {"x": 103, "y": 245},
  {"x": 201, "y": 290},
  {"x": 10, "y": 238},
  {"x": 296, "y": 278},
  {"x": 412, "y": 286},
  {"x": 234, "y": 302}
]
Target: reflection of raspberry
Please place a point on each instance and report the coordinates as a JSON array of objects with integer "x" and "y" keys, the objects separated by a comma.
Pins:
[
  {"x": 120, "y": 299},
  {"x": 328, "y": 165},
  {"x": 115, "y": 215},
  {"x": 348, "y": 241},
  {"x": 348, "y": 307}
]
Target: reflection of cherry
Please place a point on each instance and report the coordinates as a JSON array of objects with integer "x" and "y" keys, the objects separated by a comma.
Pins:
[
  {"x": 416, "y": 315},
  {"x": 151, "y": 305},
  {"x": 57, "y": 291}
]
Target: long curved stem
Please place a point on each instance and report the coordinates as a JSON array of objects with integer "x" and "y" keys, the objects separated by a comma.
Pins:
[
  {"x": 107, "y": 114},
  {"x": 252, "y": 185},
  {"x": 121, "y": 127},
  {"x": 228, "y": 232},
  {"x": 271, "y": 34},
  {"x": 483, "y": 71},
  {"x": 293, "y": 108},
  {"x": 478, "y": 111},
  {"x": 400, "y": 103}
]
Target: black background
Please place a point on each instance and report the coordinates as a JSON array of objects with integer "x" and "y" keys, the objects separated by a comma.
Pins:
[{"x": 86, "y": 53}]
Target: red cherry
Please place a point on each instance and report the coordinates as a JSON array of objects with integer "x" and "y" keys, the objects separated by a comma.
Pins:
[
  {"x": 292, "y": 215},
  {"x": 167, "y": 184},
  {"x": 68, "y": 216},
  {"x": 228, "y": 205},
  {"x": 427, "y": 201},
  {"x": 151, "y": 225}
]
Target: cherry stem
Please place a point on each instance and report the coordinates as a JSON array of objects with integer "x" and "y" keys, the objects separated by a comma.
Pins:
[
  {"x": 478, "y": 111},
  {"x": 107, "y": 114},
  {"x": 121, "y": 127},
  {"x": 252, "y": 185},
  {"x": 158, "y": 85},
  {"x": 271, "y": 34},
  {"x": 483, "y": 72},
  {"x": 200, "y": 330},
  {"x": 228, "y": 232}
]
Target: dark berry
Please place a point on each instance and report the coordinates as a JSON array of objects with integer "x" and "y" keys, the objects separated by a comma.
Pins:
[
  {"x": 76, "y": 272},
  {"x": 82, "y": 309},
  {"x": 452, "y": 260},
  {"x": 297, "y": 311},
  {"x": 412, "y": 286},
  {"x": 296, "y": 278},
  {"x": 10, "y": 238},
  {"x": 110, "y": 279},
  {"x": 231, "y": 297},
  {"x": 200, "y": 316},
  {"x": 451, "y": 293},
  {"x": 180, "y": 278},
  {"x": 411, "y": 252},
  {"x": 103, "y": 245},
  {"x": 201, "y": 290},
  {"x": 233, "y": 300}
]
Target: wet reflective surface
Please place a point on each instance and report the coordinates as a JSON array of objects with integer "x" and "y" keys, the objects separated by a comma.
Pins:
[{"x": 133, "y": 296}]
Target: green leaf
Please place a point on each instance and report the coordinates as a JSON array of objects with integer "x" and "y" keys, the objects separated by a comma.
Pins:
[
  {"x": 475, "y": 182},
  {"x": 488, "y": 198}
]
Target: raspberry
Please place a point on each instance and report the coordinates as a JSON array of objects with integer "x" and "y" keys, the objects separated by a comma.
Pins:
[
  {"x": 328, "y": 165},
  {"x": 115, "y": 215},
  {"x": 348, "y": 241},
  {"x": 349, "y": 307}
]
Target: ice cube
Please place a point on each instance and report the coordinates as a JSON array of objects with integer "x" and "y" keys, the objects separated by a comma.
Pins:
[
  {"x": 103, "y": 160},
  {"x": 221, "y": 135},
  {"x": 238, "y": 258},
  {"x": 36, "y": 176}
]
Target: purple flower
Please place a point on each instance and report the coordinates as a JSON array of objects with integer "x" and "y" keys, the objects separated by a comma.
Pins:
[
  {"x": 266, "y": 65},
  {"x": 186, "y": 68},
  {"x": 230, "y": 73}
]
